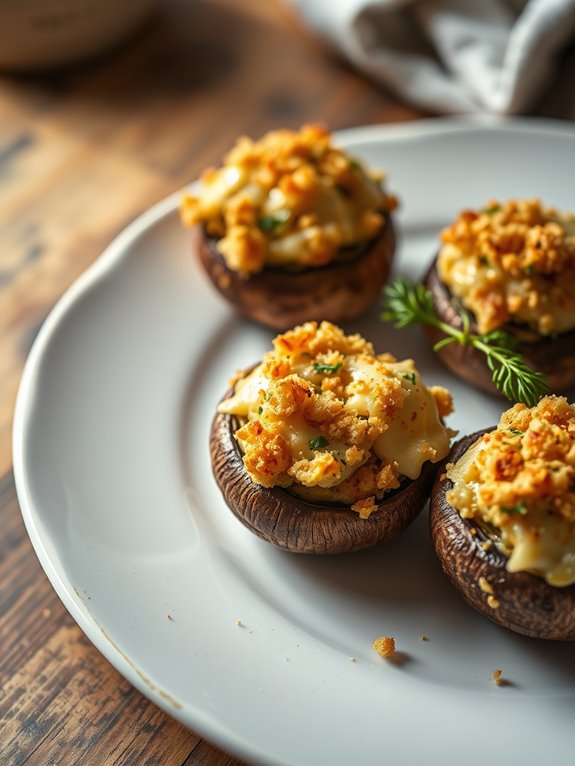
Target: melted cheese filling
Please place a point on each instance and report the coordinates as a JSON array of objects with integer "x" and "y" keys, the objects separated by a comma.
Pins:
[
  {"x": 389, "y": 417},
  {"x": 513, "y": 263},
  {"x": 534, "y": 538},
  {"x": 290, "y": 200}
]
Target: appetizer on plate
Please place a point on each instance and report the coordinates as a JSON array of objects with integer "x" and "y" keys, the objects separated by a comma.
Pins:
[
  {"x": 503, "y": 519},
  {"x": 512, "y": 267},
  {"x": 325, "y": 446},
  {"x": 292, "y": 229}
]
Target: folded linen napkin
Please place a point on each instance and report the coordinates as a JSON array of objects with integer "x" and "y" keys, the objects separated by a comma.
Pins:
[{"x": 450, "y": 55}]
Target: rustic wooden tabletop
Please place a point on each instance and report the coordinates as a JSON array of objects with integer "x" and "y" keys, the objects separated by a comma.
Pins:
[{"x": 82, "y": 152}]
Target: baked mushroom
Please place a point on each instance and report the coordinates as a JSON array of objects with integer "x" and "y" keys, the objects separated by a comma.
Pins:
[
  {"x": 326, "y": 447},
  {"x": 503, "y": 519},
  {"x": 292, "y": 229},
  {"x": 511, "y": 266}
]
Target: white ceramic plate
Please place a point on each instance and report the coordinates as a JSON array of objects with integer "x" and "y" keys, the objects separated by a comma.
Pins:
[{"x": 113, "y": 474}]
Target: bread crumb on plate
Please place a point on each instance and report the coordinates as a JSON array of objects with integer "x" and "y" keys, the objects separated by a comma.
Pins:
[{"x": 384, "y": 646}]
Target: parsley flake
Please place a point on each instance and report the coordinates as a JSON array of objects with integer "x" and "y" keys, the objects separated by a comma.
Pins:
[
  {"x": 318, "y": 442},
  {"x": 409, "y": 376},
  {"x": 516, "y": 510},
  {"x": 326, "y": 368},
  {"x": 271, "y": 222}
]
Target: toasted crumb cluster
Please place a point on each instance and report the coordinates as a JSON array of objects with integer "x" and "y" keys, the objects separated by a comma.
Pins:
[
  {"x": 513, "y": 262},
  {"x": 519, "y": 482},
  {"x": 384, "y": 646},
  {"x": 326, "y": 416},
  {"x": 291, "y": 199}
]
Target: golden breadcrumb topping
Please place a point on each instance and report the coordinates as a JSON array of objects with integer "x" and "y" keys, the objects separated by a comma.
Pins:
[
  {"x": 291, "y": 199},
  {"x": 326, "y": 416},
  {"x": 384, "y": 646},
  {"x": 512, "y": 262},
  {"x": 518, "y": 483}
]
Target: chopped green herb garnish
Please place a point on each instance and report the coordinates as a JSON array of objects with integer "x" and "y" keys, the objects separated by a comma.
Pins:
[
  {"x": 408, "y": 304},
  {"x": 528, "y": 269},
  {"x": 520, "y": 509},
  {"x": 409, "y": 376},
  {"x": 260, "y": 410},
  {"x": 484, "y": 260},
  {"x": 318, "y": 442},
  {"x": 326, "y": 368},
  {"x": 492, "y": 209},
  {"x": 516, "y": 431},
  {"x": 271, "y": 222}
]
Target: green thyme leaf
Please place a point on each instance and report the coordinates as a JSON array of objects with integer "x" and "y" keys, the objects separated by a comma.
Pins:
[
  {"x": 260, "y": 410},
  {"x": 492, "y": 209},
  {"x": 271, "y": 222},
  {"x": 318, "y": 442},
  {"x": 324, "y": 369},
  {"x": 409, "y": 376},
  {"x": 407, "y": 304},
  {"x": 515, "y": 432}
]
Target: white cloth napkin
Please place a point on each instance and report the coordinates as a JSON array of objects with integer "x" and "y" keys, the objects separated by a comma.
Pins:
[{"x": 450, "y": 55}]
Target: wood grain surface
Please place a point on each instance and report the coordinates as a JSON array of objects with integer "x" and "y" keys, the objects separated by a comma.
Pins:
[{"x": 82, "y": 152}]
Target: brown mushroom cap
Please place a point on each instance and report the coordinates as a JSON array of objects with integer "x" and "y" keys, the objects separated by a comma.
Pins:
[
  {"x": 280, "y": 299},
  {"x": 522, "y": 602},
  {"x": 554, "y": 357},
  {"x": 291, "y": 523}
]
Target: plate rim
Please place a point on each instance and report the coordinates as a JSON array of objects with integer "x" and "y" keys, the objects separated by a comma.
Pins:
[{"x": 118, "y": 249}]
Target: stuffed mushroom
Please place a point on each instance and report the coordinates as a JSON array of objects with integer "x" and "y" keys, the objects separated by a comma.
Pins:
[
  {"x": 511, "y": 267},
  {"x": 292, "y": 229},
  {"x": 503, "y": 519},
  {"x": 325, "y": 446}
]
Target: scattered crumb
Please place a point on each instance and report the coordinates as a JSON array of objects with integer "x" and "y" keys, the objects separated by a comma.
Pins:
[
  {"x": 365, "y": 507},
  {"x": 485, "y": 585},
  {"x": 170, "y": 618},
  {"x": 472, "y": 531},
  {"x": 384, "y": 646},
  {"x": 46, "y": 612},
  {"x": 423, "y": 637},
  {"x": 493, "y": 602},
  {"x": 496, "y": 677},
  {"x": 239, "y": 624},
  {"x": 351, "y": 659}
]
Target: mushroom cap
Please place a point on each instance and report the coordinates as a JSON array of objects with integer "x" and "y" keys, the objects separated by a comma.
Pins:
[
  {"x": 291, "y": 523},
  {"x": 280, "y": 299},
  {"x": 554, "y": 357},
  {"x": 522, "y": 602}
]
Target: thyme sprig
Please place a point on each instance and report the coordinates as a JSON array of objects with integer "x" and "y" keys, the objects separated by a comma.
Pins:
[{"x": 407, "y": 304}]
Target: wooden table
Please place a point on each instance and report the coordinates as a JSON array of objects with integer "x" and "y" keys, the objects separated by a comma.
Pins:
[{"x": 82, "y": 153}]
